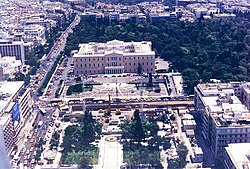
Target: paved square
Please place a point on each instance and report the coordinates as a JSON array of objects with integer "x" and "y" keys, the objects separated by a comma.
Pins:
[{"x": 119, "y": 87}]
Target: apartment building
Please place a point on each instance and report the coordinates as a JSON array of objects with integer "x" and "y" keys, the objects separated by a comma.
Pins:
[
  {"x": 15, "y": 111},
  {"x": 224, "y": 113},
  {"x": 36, "y": 31},
  {"x": 40, "y": 21},
  {"x": 114, "y": 57},
  {"x": 237, "y": 156}
]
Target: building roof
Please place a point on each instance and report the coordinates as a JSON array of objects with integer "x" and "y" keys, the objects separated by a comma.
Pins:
[
  {"x": 197, "y": 150},
  {"x": 114, "y": 46},
  {"x": 239, "y": 154},
  {"x": 7, "y": 91},
  {"x": 224, "y": 107}
]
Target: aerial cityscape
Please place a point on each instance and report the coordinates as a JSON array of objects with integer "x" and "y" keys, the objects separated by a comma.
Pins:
[{"x": 124, "y": 84}]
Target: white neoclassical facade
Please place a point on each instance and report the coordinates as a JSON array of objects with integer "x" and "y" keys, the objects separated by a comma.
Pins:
[{"x": 114, "y": 57}]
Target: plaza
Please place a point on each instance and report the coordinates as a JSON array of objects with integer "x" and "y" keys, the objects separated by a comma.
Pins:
[{"x": 119, "y": 87}]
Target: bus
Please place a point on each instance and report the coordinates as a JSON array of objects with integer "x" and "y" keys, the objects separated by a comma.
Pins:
[
  {"x": 33, "y": 124},
  {"x": 42, "y": 111},
  {"x": 56, "y": 100}
]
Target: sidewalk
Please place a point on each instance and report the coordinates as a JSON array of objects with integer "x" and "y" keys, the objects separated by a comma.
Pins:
[{"x": 110, "y": 154}]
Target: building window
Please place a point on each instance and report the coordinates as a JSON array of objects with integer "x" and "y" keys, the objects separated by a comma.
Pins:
[
  {"x": 134, "y": 63},
  {"x": 89, "y": 65},
  {"x": 81, "y": 65},
  {"x": 76, "y": 60},
  {"x": 85, "y": 65},
  {"x": 89, "y": 59}
]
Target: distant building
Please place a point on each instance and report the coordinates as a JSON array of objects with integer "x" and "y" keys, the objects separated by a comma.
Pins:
[
  {"x": 15, "y": 112},
  {"x": 162, "y": 16},
  {"x": 185, "y": 2},
  {"x": 114, "y": 57},
  {"x": 9, "y": 66},
  {"x": 223, "y": 110},
  {"x": 237, "y": 156},
  {"x": 36, "y": 31},
  {"x": 40, "y": 21},
  {"x": 224, "y": 16}
]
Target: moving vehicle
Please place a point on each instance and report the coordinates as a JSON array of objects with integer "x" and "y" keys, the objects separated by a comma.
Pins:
[
  {"x": 40, "y": 123},
  {"x": 42, "y": 111}
]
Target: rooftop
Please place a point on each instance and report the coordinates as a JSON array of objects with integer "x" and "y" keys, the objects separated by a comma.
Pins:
[
  {"x": 239, "y": 154},
  {"x": 7, "y": 92},
  {"x": 114, "y": 46},
  {"x": 223, "y": 105}
]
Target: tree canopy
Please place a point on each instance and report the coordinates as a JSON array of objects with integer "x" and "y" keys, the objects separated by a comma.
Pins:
[
  {"x": 77, "y": 139},
  {"x": 200, "y": 51},
  {"x": 137, "y": 130},
  {"x": 182, "y": 152}
]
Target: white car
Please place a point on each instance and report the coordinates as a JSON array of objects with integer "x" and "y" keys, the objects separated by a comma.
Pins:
[{"x": 33, "y": 161}]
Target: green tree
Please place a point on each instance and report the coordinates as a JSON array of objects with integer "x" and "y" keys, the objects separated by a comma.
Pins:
[{"x": 137, "y": 124}]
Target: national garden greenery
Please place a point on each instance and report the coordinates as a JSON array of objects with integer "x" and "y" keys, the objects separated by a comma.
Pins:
[{"x": 202, "y": 50}]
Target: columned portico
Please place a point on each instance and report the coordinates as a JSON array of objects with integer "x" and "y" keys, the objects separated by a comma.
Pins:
[{"x": 114, "y": 70}]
